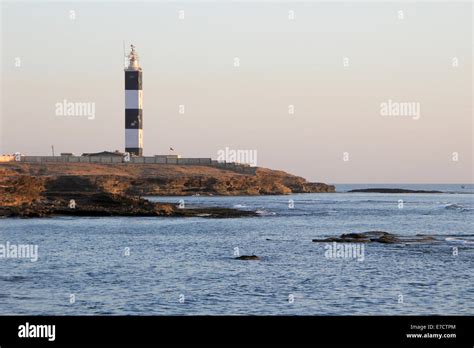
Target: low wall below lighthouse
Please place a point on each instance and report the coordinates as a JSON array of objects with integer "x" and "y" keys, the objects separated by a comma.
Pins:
[{"x": 165, "y": 160}]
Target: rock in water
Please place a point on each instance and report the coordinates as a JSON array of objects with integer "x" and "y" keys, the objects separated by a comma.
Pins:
[
  {"x": 376, "y": 237},
  {"x": 248, "y": 257},
  {"x": 391, "y": 190}
]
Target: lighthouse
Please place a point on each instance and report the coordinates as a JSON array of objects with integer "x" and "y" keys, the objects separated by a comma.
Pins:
[{"x": 133, "y": 105}]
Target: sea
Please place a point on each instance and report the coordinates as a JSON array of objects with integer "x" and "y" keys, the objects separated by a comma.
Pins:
[{"x": 188, "y": 266}]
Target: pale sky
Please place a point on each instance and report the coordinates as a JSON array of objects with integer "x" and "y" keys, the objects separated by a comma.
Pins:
[{"x": 283, "y": 62}]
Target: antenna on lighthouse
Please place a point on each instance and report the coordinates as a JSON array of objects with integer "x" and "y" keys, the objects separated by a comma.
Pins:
[{"x": 125, "y": 57}]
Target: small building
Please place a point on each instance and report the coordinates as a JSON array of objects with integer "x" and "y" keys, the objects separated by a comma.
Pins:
[{"x": 104, "y": 154}]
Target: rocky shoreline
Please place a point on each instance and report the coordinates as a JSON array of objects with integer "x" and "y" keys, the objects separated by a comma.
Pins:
[
  {"x": 83, "y": 189},
  {"x": 103, "y": 205},
  {"x": 107, "y": 204}
]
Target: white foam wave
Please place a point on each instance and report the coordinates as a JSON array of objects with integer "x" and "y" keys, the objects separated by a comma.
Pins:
[
  {"x": 265, "y": 213},
  {"x": 458, "y": 240}
]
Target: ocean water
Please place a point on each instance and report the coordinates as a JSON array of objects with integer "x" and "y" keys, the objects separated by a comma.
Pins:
[{"x": 186, "y": 266}]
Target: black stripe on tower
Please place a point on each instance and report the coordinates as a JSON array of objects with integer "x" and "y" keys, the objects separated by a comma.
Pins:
[
  {"x": 133, "y": 80},
  {"x": 133, "y": 119}
]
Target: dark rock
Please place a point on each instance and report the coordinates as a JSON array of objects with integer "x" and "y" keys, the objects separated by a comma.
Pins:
[
  {"x": 376, "y": 237},
  {"x": 248, "y": 257}
]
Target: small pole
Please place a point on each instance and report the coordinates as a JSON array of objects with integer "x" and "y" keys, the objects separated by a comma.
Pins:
[
  {"x": 124, "y": 61},
  {"x": 52, "y": 148}
]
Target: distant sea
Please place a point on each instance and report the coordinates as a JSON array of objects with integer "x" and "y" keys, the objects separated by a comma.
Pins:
[{"x": 186, "y": 266}]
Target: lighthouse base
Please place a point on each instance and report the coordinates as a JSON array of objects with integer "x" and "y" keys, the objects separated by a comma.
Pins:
[{"x": 136, "y": 151}]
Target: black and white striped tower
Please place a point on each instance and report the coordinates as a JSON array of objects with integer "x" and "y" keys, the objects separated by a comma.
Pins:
[{"x": 133, "y": 106}]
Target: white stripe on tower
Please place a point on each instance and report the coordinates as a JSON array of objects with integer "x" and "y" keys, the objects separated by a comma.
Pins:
[{"x": 133, "y": 106}]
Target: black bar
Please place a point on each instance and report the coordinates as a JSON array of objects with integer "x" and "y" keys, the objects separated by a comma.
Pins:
[
  {"x": 133, "y": 80},
  {"x": 133, "y": 119},
  {"x": 224, "y": 330}
]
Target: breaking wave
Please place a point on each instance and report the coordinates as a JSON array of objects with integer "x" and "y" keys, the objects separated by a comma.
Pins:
[
  {"x": 457, "y": 206},
  {"x": 459, "y": 240},
  {"x": 265, "y": 213}
]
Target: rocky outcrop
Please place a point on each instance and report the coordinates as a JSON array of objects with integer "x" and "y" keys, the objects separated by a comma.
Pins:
[
  {"x": 35, "y": 190},
  {"x": 211, "y": 181},
  {"x": 376, "y": 237},
  {"x": 172, "y": 180},
  {"x": 29, "y": 196}
]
